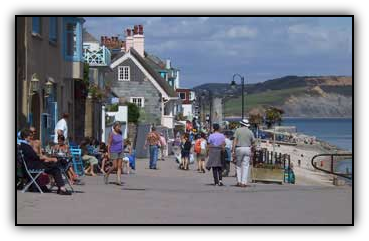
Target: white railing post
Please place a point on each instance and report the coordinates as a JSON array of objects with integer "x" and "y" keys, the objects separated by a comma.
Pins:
[{"x": 103, "y": 50}]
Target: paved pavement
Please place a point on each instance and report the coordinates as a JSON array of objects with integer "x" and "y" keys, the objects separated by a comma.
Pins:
[{"x": 172, "y": 196}]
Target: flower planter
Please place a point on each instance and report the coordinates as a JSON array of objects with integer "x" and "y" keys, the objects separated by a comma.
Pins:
[{"x": 260, "y": 174}]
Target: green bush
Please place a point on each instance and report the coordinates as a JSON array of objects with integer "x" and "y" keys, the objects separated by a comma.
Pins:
[
  {"x": 112, "y": 108},
  {"x": 133, "y": 113}
]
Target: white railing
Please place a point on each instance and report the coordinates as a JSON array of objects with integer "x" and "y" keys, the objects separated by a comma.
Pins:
[
  {"x": 167, "y": 121},
  {"x": 100, "y": 57}
]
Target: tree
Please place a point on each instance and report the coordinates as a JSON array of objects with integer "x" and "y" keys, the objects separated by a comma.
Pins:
[
  {"x": 256, "y": 117},
  {"x": 233, "y": 125},
  {"x": 86, "y": 77},
  {"x": 273, "y": 115},
  {"x": 180, "y": 117},
  {"x": 133, "y": 113}
]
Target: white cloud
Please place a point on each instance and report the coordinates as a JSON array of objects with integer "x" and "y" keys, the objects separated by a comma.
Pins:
[
  {"x": 237, "y": 32},
  {"x": 203, "y": 19},
  {"x": 154, "y": 20},
  {"x": 306, "y": 39}
]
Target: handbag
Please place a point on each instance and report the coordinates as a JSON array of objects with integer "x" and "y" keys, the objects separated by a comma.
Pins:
[{"x": 43, "y": 179}]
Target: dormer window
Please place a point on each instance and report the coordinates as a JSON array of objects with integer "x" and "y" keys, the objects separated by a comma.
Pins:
[{"x": 123, "y": 73}]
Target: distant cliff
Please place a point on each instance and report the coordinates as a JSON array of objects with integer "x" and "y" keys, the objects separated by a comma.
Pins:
[{"x": 307, "y": 96}]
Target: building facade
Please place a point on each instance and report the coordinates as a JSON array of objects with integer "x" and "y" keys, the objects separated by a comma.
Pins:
[
  {"x": 187, "y": 97},
  {"x": 98, "y": 59},
  {"x": 49, "y": 62}
]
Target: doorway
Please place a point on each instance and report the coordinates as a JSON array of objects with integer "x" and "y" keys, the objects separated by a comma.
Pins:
[{"x": 35, "y": 113}]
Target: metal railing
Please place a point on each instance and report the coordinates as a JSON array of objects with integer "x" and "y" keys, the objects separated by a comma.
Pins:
[
  {"x": 99, "y": 57},
  {"x": 331, "y": 166}
]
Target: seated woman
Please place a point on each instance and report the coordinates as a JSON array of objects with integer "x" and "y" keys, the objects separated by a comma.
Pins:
[
  {"x": 128, "y": 151},
  {"x": 61, "y": 147},
  {"x": 91, "y": 161},
  {"x": 103, "y": 150},
  {"x": 33, "y": 161}
]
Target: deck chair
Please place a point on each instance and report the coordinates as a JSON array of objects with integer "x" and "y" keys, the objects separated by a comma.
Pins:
[
  {"x": 77, "y": 161},
  {"x": 33, "y": 174}
]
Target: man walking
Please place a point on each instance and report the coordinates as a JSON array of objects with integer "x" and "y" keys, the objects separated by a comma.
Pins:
[
  {"x": 153, "y": 140},
  {"x": 61, "y": 128},
  {"x": 242, "y": 143},
  {"x": 163, "y": 146}
]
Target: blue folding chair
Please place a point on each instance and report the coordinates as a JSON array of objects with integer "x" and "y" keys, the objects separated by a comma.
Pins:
[
  {"x": 132, "y": 160},
  {"x": 77, "y": 161}
]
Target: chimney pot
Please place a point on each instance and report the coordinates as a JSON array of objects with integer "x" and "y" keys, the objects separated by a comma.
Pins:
[
  {"x": 135, "y": 30},
  {"x": 140, "y": 29},
  {"x": 128, "y": 31}
]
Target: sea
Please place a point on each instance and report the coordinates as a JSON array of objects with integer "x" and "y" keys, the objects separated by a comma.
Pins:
[{"x": 336, "y": 131}]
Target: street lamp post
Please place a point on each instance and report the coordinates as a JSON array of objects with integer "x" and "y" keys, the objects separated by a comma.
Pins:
[
  {"x": 210, "y": 99},
  {"x": 233, "y": 84}
]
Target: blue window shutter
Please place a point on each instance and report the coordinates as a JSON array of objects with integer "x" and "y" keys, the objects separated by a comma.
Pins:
[
  {"x": 78, "y": 53},
  {"x": 53, "y": 29},
  {"x": 72, "y": 27},
  {"x": 30, "y": 119},
  {"x": 36, "y": 25}
]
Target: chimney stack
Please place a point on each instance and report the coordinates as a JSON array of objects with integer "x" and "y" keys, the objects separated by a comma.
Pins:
[
  {"x": 129, "y": 39},
  {"x": 139, "y": 40},
  {"x": 123, "y": 46}
]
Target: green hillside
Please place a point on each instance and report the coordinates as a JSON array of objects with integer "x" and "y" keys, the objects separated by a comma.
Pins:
[{"x": 267, "y": 98}]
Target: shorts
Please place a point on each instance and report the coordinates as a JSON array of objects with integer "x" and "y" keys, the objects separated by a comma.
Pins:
[
  {"x": 114, "y": 156},
  {"x": 201, "y": 156},
  {"x": 90, "y": 159},
  {"x": 185, "y": 154}
]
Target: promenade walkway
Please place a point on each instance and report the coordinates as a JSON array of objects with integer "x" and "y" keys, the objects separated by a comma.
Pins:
[{"x": 172, "y": 196}]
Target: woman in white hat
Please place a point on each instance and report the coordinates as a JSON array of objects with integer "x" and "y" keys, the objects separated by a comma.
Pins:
[{"x": 242, "y": 143}]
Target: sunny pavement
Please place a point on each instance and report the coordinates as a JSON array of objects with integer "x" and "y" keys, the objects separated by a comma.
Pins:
[{"x": 173, "y": 196}]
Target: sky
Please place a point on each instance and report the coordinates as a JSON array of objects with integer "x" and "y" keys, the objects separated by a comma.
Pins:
[{"x": 212, "y": 49}]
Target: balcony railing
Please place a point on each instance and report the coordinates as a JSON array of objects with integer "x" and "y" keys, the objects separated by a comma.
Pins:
[
  {"x": 172, "y": 74},
  {"x": 100, "y": 57}
]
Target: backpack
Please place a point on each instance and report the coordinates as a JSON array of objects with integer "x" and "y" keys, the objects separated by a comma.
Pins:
[{"x": 198, "y": 146}]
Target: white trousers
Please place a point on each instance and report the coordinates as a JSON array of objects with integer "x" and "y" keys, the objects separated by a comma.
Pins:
[{"x": 242, "y": 164}]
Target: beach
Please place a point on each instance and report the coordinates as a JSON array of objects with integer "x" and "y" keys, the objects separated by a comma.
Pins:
[{"x": 304, "y": 151}]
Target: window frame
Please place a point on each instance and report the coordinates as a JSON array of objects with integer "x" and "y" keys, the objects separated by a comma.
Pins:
[
  {"x": 136, "y": 103},
  {"x": 77, "y": 55},
  {"x": 184, "y": 95},
  {"x": 73, "y": 45},
  {"x": 36, "y": 32},
  {"x": 122, "y": 69},
  {"x": 53, "y": 29}
]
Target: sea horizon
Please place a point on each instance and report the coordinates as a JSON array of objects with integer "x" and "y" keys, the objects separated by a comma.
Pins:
[{"x": 294, "y": 117}]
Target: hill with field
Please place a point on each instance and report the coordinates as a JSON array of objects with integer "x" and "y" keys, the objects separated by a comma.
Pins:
[{"x": 298, "y": 96}]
